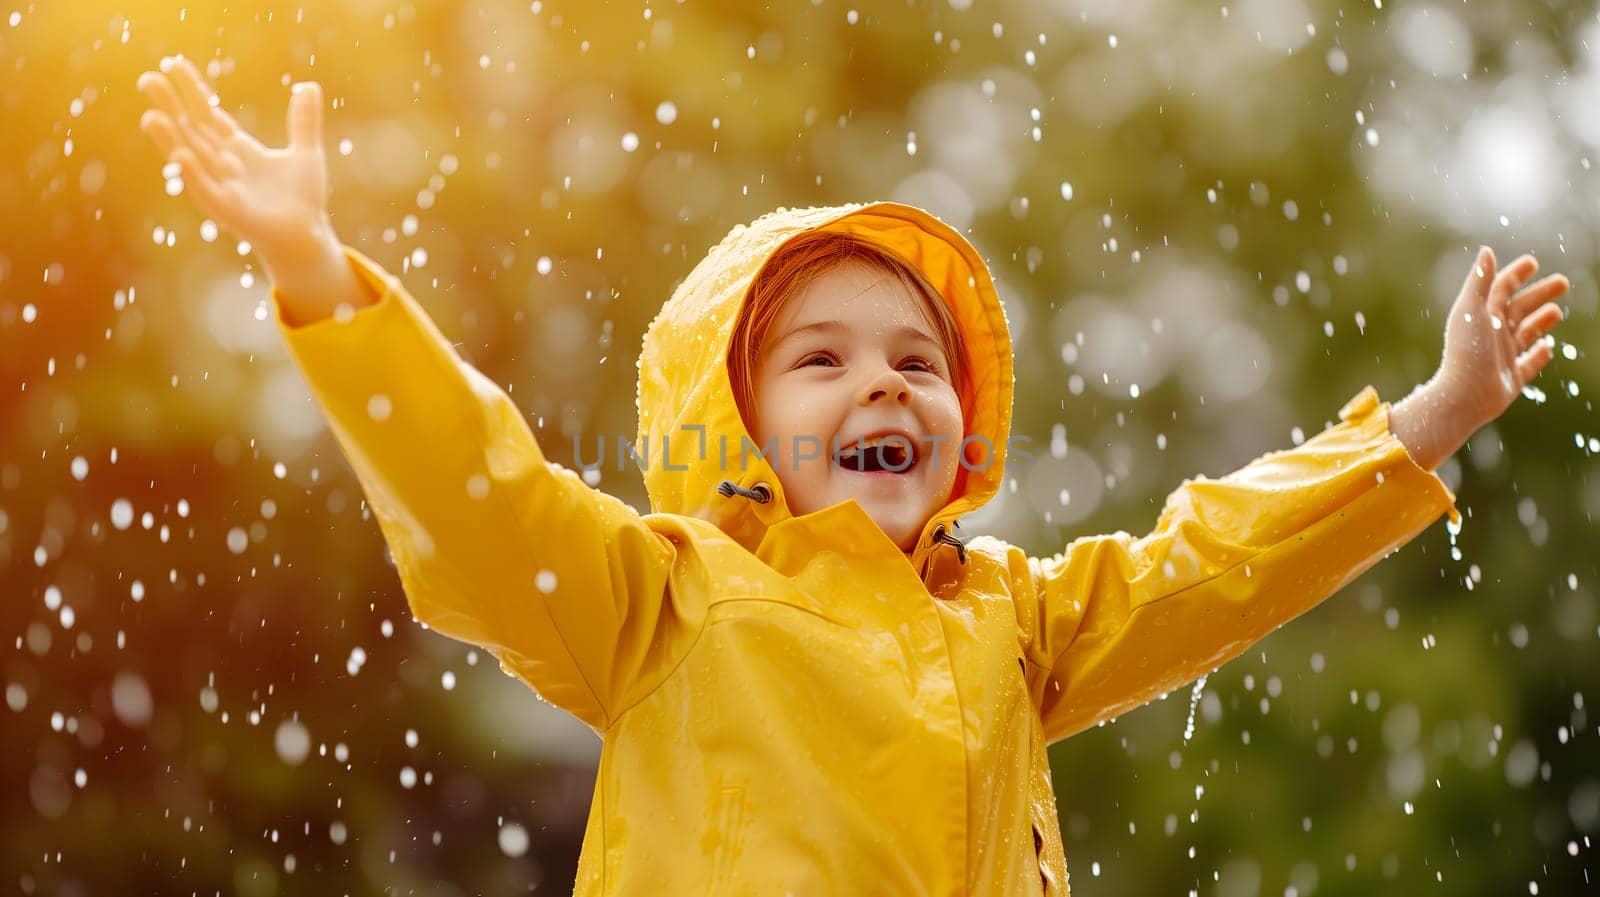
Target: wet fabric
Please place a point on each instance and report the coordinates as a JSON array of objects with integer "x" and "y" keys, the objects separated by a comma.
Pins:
[{"x": 792, "y": 704}]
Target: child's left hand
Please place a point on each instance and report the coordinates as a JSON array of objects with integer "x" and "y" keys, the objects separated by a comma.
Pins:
[{"x": 1493, "y": 346}]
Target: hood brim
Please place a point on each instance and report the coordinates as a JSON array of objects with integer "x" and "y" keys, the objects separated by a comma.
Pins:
[{"x": 690, "y": 430}]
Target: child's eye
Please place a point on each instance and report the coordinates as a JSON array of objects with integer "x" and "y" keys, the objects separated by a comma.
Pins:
[
  {"x": 820, "y": 356},
  {"x": 923, "y": 364}
]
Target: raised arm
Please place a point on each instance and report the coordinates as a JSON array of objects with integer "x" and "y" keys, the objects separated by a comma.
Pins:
[
  {"x": 565, "y": 585},
  {"x": 1116, "y": 620}
]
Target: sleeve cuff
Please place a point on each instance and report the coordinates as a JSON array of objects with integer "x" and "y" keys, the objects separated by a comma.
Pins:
[
  {"x": 1370, "y": 414},
  {"x": 377, "y": 282}
]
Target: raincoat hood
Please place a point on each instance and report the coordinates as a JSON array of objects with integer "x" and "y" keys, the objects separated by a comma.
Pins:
[{"x": 686, "y": 400}]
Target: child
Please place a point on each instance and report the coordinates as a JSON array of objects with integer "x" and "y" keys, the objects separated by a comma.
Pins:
[{"x": 805, "y": 683}]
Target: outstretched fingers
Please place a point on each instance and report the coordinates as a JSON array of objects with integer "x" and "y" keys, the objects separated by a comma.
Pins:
[
  {"x": 305, "y": 116},
  {"x": 1531, "y": 362},
  {"x": 210, "y": 193},
  {"x": 1510, "y": 279},
  {"x": 169, "y": 137},
  {"x": 1544, "y": 290},
  {"x": 1537, "y": 324},
  {"x": 200, "y": 99},
  {"x": 159, "y": 90},
  {"x": 162, "y": 132},
  {"x": 1479, "y": 277}
]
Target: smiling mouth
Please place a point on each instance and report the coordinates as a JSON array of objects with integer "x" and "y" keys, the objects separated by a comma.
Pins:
[{"x": 891, "y": 457}]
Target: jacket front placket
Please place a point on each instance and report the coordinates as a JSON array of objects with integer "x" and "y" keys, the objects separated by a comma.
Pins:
[{"x": 884, "y": 594}]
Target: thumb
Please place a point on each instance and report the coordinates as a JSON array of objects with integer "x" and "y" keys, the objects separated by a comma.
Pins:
[
  {"x": 1480, "y": 277},
  {"x": 305, "y": 116}
]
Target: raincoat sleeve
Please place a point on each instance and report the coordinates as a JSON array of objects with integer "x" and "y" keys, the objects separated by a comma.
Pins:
[
  {"x": 494, "y": 545},
  {"x": 1120, "y": 620}
]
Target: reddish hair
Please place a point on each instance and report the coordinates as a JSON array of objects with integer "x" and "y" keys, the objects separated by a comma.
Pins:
[{"x": 801, "y": 261}]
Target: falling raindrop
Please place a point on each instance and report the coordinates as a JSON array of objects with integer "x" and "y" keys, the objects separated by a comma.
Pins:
[
  {"x": 513, "y": 839},
  {"x": 131, "y": 700},
  {"x": 122, "y": 513},
  {"x": 292, "y": 742},
  {"x": 1194, "y": 704}
]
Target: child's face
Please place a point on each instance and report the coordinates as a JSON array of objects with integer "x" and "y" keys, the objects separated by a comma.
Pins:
[{"x": 849, "y": 357}]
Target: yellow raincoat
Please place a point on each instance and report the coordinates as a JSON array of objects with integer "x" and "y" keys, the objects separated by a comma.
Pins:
[{"x": 793, "y": 705}]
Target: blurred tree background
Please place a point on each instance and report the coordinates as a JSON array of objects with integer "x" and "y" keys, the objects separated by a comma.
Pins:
[{"x": 1212, "y": 224}]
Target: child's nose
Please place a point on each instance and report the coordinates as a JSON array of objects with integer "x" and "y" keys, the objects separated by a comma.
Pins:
[{"x": 888, "y": 384}]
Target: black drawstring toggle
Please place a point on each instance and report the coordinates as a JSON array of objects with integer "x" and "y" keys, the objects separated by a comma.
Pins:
[
  {"x": 941, "y": 535},
  {"x": 761, "y": 493}
]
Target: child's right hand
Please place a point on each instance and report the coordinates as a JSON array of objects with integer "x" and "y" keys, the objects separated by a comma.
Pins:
[{"x": 277, "y": 199}]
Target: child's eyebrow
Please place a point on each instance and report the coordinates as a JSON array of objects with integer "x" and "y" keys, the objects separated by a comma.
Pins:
[{"x": 905, "y": 331}]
